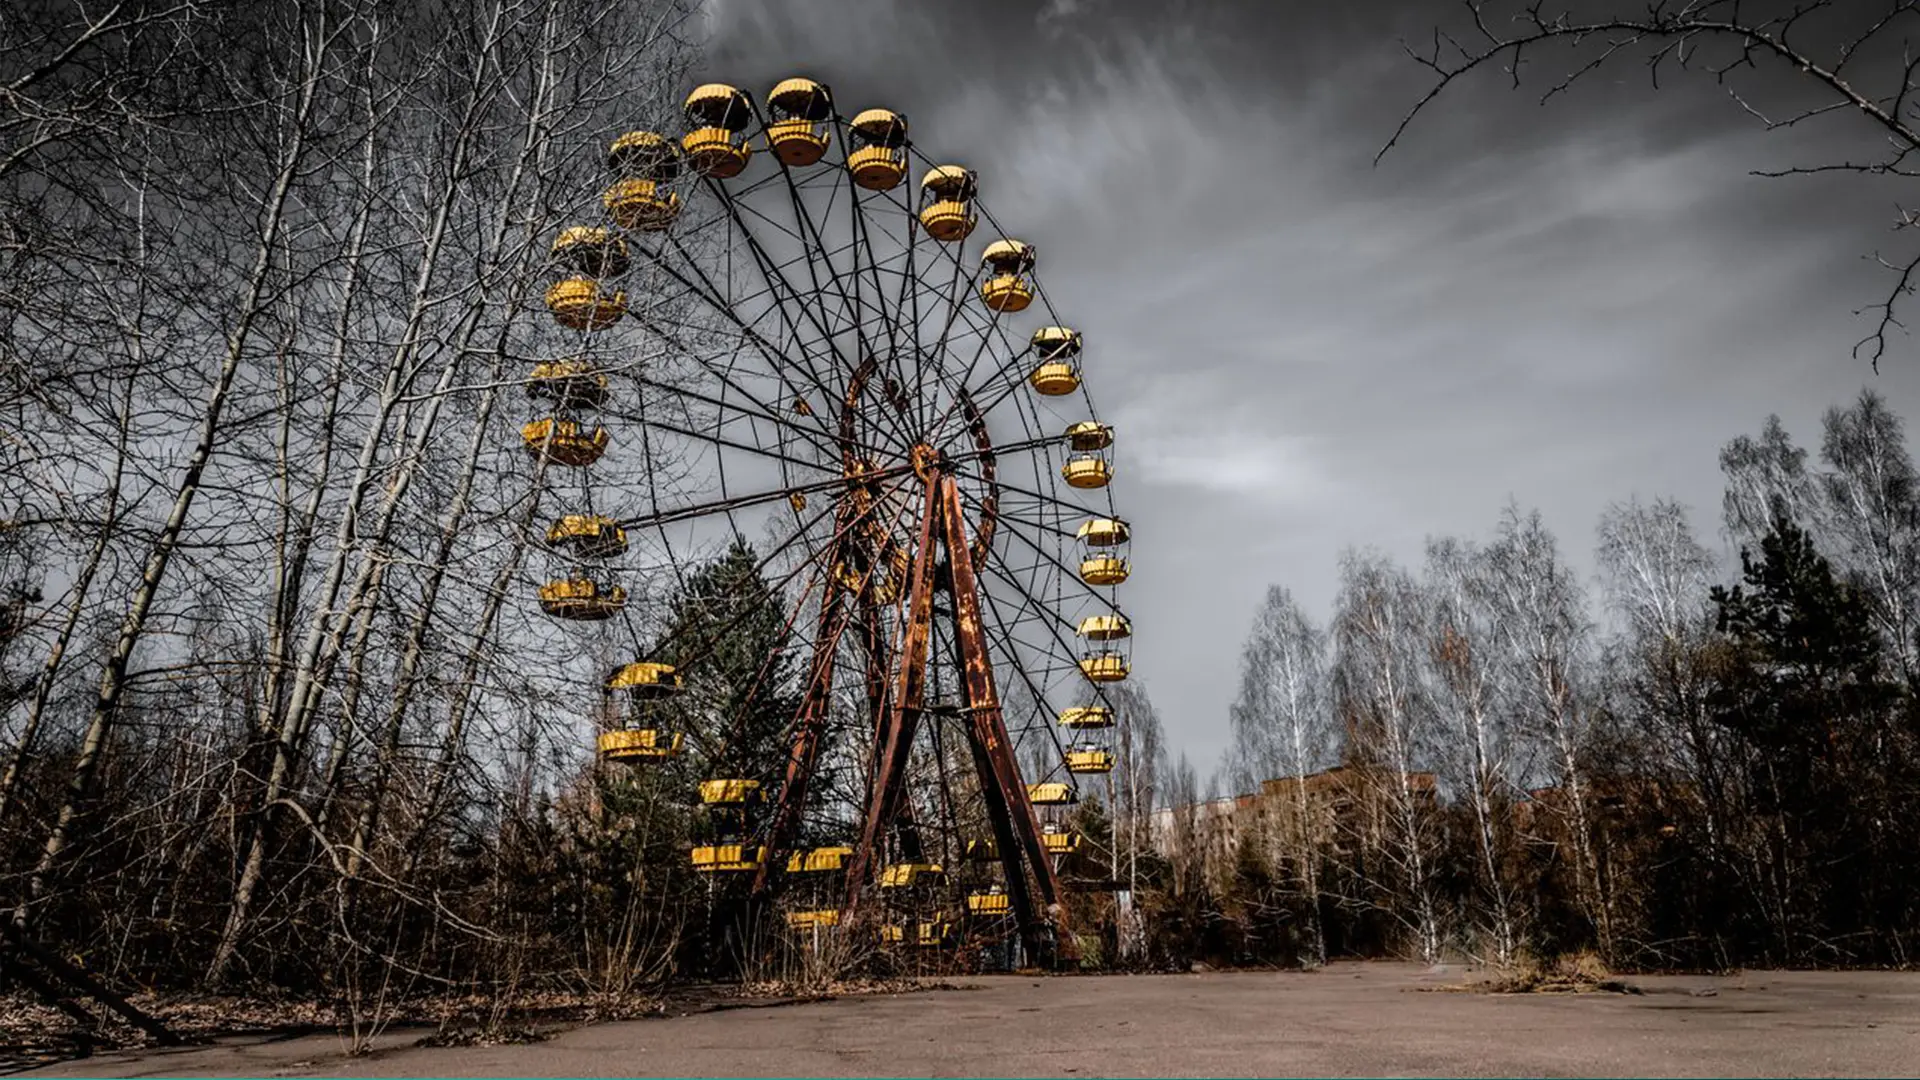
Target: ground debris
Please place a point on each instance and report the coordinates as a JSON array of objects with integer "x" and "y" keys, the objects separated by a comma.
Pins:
[
  {"x": 32, "y": 1033},
  {"x": 1582, "y": 973}
]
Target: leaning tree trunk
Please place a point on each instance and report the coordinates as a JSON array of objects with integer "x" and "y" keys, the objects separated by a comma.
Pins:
[
  {"x": 113, "y": 678},
  {"x": 82, "y": 588}
]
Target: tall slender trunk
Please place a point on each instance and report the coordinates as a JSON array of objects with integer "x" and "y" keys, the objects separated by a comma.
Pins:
[
  {"x": 295, "y": 542},
  {"x": 408, "y": 677},
  {"x": 325, "y": 634},
  {"x": 452, "y": 743},
  {"x": 82, "y": 588},
  {"x": 1307, "y": 848},
  {"x": 333, "y": 774},
  {"x": 113, "y": 678}
]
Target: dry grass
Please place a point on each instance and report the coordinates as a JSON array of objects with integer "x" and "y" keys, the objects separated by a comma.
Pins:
[{"x": 1577, "y": 973}]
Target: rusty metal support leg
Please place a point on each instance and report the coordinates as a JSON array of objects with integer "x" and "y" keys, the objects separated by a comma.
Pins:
[
  {"x": 988, "y": 726},
  {"x": 892, "y": 748},
  {"x": 1007, "y": 844},
  {"x": 807, "y": 730}
]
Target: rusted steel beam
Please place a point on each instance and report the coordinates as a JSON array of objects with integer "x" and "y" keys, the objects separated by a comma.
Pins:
[
  {"x": 987, "y": 724},
  {"x": 808, "y": 727},
  {"x": 1007, "y": 845},
  {"x": 903, "y": 715}
]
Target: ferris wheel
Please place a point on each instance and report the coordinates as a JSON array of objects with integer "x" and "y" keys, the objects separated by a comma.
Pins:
[{"x": 807, "y": 389}]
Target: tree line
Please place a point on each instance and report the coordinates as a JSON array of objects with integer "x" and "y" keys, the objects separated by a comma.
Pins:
[{"x": 1684, "y": 765}]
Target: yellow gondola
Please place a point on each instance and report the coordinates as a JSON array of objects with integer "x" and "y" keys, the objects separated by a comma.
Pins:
[
  {"x": 1058, "y": 372},
  {"x": 1051, "y": 793},
  {"x": 590, "y": 536},
  {"x": 645, "y": 679},
  {"x": 570, "y": 383},
  {"x": 1089, "y": 760},
  {"x": 640, "y": 744},
  {"x": 727, "y": 858},
  {"x": 821, "y": 860},
  {"x": 730, "y": 792},
  {"x": 1103, "y": 570},
  {"x": 808, "y": 920},
  {"x": 1089, "y": 435},
  {"x": 564, "y": 442},
  {"x": 946, "y": 202},
  {"x": 640, "y": 204},
  {"x": 878, "y": 161},
  {"x": 1086, "y": 716},
  {"x": 1087, "y": 472},
  {"x": 925, "y": 935},
  {"x": 580, "y": 303},
  {"x": 591, "y": 250},
  {"x": 1104, "y": 628},
  {"x": 989, "y": 903},
  {"x": 717, "y": 114},
  {"x": 1104, "y": 667},
  {"x": 911, "y": 875},
  {"x": 1005, "y": 287},
  {"x": 644, "y": 155},
  {"x": 581, "y": 599},
  {"x": 799, "y": 110},
  {"x": 1061, "y": 843}
]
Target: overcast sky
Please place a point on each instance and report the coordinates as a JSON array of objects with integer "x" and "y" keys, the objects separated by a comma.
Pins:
[{"x": 1302, "y": 352}]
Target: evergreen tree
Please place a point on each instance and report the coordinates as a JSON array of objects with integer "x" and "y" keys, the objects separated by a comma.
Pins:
[
  {"x": 1805, "y": 690},
  {"x": 1810, "y": 656},
  {"x": 730, "y": 638}
]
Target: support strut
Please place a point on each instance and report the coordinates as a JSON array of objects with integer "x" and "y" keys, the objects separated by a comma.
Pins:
[
  {"x": 807, "y": 730},
  {"x": 902, "y": 718},
  {"x": 1016, "y": 828},
  {"x": 987, "y": 729}
]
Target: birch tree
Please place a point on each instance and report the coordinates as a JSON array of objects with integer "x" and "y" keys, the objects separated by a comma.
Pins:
[
  {"x": 1545, "y": 641},
  {"x": 1873, "y": 517},
  {"x": 1380, "y": 636},
  {"x": 1282, "y": 730},
  {"x": 1473, "y": 700}
]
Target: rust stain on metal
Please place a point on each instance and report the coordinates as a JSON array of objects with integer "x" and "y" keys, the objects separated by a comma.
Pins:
[
  {"x": 809, "y": 725},
  {"x": 902, "y": 718},
  {"x": 1000, "y": 774}
]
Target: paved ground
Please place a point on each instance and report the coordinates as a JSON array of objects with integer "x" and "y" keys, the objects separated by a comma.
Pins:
[{"x": 1351, "y": 1019}]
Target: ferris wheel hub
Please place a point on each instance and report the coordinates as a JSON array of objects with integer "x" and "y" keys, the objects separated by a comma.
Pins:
[{"x": 926, "y": 461}]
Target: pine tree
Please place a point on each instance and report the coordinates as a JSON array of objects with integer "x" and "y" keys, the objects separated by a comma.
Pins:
[{"x": 1811, "y": 657}]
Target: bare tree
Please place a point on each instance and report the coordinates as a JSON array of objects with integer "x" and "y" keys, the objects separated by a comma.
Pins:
[
  {"x": 1282, "y": 728},
  {"x": 304, "y": 74},
  {"x": 1380, "y": 638},
  {"x": 1140, "y": 759},
  {"x": 1545, "y": 637},
  {"x": 266, "y": 273},
  {"x": 1873, "y": 517},
  {"x": 1473, "y": 695},
  {"x": 1656, "y": 577}
]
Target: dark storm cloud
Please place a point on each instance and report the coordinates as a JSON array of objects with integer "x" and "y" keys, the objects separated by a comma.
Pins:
[{"x": 1301, "y": 351}]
